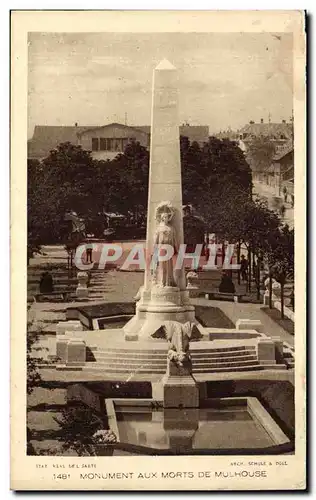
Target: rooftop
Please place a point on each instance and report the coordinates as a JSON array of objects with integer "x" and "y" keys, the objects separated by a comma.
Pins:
[
  {"x": 269, "y": 129},
  {"x": 47, "y": 137}
]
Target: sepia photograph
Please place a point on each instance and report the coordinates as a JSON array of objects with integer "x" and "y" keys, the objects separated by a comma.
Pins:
[{"x": 161, "y": 207}]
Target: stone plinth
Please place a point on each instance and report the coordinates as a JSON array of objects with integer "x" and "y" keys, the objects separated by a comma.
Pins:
[
  {"x": 67, "y": 326},
  {"x": 76, "y": 352},
  {"x": 266, "y": 351},
  {"x": 193, "y": 291},
  {"x": 71, "y": 352},
  {"x": 175, "y": 370},
  {"x": 166, "y": 304},
  {"x": 249, "y": 324},
  {"x": 278, "y": 343},
  {"x": 61, "y": 350},
  {"x": 82, "y": 288},
  {"x": 180, "y": 390}
]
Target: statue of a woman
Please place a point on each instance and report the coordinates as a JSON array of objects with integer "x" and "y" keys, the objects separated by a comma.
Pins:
[{"x": 164, "y": 235}]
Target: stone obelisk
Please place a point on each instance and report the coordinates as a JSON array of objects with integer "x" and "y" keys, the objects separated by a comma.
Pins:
[{"x": 164, "y": 296}]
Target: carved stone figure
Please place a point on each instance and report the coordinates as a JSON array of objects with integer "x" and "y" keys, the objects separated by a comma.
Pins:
[
  {"x": 164, "y": 235},
  {"x": 178, "y": 336}
]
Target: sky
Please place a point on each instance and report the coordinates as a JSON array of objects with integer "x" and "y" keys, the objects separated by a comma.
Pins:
[{"x": 225, "y": 79}]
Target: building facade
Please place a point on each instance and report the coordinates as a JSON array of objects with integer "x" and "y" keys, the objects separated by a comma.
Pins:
[
  {"x": 280, "y": 134},
  {"x": 105, "y": 142}
]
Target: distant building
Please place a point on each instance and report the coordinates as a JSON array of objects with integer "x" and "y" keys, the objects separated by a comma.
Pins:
[
  {"x": 105, "y": 142},
  {"x": 281, "y": 172},
  {"x": 108, "y": 141},
  {"x": 47, "y": 137},
  {"x": 230, "y": 134},
  {"x": 281, "y": 134}
]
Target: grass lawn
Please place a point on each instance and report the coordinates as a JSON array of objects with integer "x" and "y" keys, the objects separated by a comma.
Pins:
[{"x": 285, "y": 323}]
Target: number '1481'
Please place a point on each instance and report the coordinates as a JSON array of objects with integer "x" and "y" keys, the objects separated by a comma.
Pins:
[{"x": 61, "y": 476}]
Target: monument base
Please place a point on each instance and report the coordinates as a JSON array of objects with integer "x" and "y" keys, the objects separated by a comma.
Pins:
[
  {"x": 180, "y": 391},
  {"x": 155, "y": 308}
]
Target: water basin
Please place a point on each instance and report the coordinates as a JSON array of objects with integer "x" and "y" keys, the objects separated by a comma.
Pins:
[{"x": 229, "y": 424}]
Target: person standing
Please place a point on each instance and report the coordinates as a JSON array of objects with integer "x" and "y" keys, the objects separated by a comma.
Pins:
[
  {"x": 282, "y": 211},
  {"x": 226, "y": 285},
  {"x": 243, "y": 268},
  {"x": 89, "y": 248},
  {"x": 292, "y": 200},
  {"x": 46, "y": 282},
  {"x": 285, "y": 194}
]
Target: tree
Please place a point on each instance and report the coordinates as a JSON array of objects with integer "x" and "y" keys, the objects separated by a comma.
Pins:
[
  {"x": 260, "y": 153},
  {"x": 280, "y": 257},
  {"x": 33, "y": 376},
  {"x": 214, "y": 178},
  {"x": 65, "y": 181},
  {"x": 258, "y": 223},
  {"x": 70, "y": 172},
  {"x": 77, "y": 424},
  {"x": 128, "y": 190},
  {"x": 38, "y": 202}
]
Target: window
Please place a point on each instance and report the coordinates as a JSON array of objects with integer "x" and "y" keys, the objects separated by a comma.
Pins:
[
  {"x": 103, "y": 144},
  {"x": 95, "y": 144}
]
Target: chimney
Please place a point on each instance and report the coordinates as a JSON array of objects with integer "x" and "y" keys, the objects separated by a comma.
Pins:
[{"x": 261, "y": 121}]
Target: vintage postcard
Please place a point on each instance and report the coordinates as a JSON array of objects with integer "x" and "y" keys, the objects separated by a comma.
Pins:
[{"x": 158, "y": 332}]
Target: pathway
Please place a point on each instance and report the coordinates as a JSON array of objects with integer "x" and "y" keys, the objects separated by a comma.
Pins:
[{"x": 268, "y": 193}]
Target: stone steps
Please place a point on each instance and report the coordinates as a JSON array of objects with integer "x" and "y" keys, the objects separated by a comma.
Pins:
[
  {"x": 163, "y": 363},
  {"x": 247, "y": 368},
  {"x": 226, "y": 354},
  {"x": 107, "y": 358},
  {"x": 144, "y": 360},
  {"x": 155, "y": 370},
  {"x": 233, "y": 350},
  {"x": 123, "y": 360}
]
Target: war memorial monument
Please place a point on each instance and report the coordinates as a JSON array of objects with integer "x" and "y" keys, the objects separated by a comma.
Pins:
[{"x": 167, "y": 381}]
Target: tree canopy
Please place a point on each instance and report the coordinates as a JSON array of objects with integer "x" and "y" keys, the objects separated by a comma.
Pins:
[
  {"x": 260, "y": 153},
  {"x": 216, "y": 180}
]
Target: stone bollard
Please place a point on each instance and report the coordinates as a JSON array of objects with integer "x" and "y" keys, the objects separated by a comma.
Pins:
[
  {"x": 61, "y": 351},
  {"x": 192, "y": 287},
  {"x": 82, "y": 288},
  {"x": 278, "y": 343},
  {"x": 266, "y": 351},
  {"x": 76, "y": 355},
  {"x": 71, "y": 352}
]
